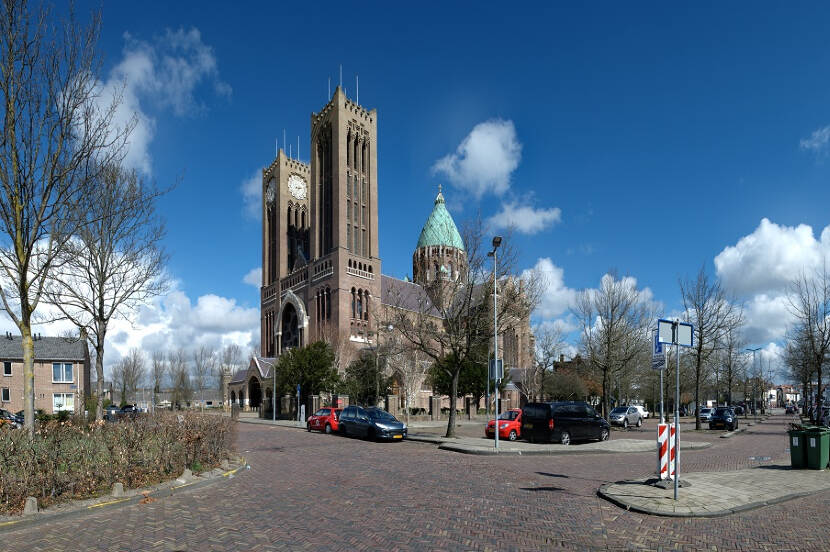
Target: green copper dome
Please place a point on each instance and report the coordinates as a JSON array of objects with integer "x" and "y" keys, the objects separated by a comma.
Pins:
[{"x": 440, "y": 229}]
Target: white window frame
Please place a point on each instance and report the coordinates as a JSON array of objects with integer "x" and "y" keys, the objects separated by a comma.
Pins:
[
  {"x": 9, "y": 364},
  {"x": 5, "y": 394},
  {"x": 64, "y": 397},
  {"x": 63, "y": 366}
]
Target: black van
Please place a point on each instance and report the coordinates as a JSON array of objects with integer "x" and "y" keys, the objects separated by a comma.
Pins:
[{"x": 562, "y": 421}]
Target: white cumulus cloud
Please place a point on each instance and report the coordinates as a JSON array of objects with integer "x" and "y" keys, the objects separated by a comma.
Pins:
[
  {"x": 485, "y": 159},
  {"x": 254, "y": 277},
  {"x": 767, "y": 259},
  {"x": 251, "y": 190},
  {"x": 557, "y": 298},
  {"x": 164, "y": 73},
  {"x": 525, "y": 218}
]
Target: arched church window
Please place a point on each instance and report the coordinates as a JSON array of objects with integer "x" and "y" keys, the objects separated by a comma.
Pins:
[
  {"x": 354, "y": 303},
  {"x": 366, "y": 306},
  {"x": 359, "y": 304},
  {"x": 303, "y": 220},
  {"x": 289, "y": 215},
  {"x": 328, "y": 303}
]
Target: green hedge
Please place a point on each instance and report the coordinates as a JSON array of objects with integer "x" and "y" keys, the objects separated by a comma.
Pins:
[{"x": 68, "y": 459}]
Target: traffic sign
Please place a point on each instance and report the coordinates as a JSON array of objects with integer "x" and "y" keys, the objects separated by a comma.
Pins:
[
  {"x": 676, "y": 333},
  {"x": 658, "y": 355},
  {"x": 496, "y": 372}
]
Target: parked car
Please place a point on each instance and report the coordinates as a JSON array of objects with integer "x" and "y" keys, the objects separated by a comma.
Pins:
[
  {"x": 510, "y": 425},
  {"x": 12, "y": 419},
  {"x": 723, "y": 417},
  {"x": 111, "y": 412},
  {"x": 625, "y": 416},
  {"x": 642, "y": 410},
  {"x": 324, "y": 420},
  {"x": 563, "y": 421},
  {"x": 790, "y": 409},
  {"x": 371, "y": 423},
  {"x": 738, "y": 409},
  {"x": 682, "y": 411},
  {"x": 705, "y": 414}
]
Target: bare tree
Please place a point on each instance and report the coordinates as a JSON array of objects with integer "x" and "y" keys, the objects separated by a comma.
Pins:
[
  {"x": 180, "y": 378},
  {"x": 450, "y": 319},
  {"x": 54, "y": 140},
  {"x": 615, "y": 327},
  {"x": 115, "y": 262},
  {"x": 231, "y": 357},
  {"x": 809, "y": 303},
  {"x": 797, "y": 360},
  {"x": 732, "y": 360},
  {"x": 713, "y": 316},
  {"x": 204, "y": 368},
  {"x": 159, "y": 368},
  {"x": 133, "y": 373},
  {"x": 535, "y": 376}
]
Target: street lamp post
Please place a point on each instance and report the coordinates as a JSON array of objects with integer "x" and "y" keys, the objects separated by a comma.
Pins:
[
  {"x": 754, "y": 379},
  {"x": 496, "y": 244}
]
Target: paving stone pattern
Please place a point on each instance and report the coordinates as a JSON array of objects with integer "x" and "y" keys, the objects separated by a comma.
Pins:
[{"x": 308, "y": 491}]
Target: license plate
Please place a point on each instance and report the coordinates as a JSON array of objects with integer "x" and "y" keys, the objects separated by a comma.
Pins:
[
  {"x": 397, "y": 436},
  {"x": 528, "y": 426}
]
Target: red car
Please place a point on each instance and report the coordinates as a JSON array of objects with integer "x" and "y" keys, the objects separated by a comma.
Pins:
[
  {"x": 510, "y": 425},
  {"x": 324, "y": 420}
]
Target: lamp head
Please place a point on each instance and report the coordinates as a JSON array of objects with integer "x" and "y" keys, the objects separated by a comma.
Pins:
[{"x": 496, "y": 242}]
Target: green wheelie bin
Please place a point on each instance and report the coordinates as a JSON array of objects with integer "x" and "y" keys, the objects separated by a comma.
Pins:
[
  {"x": 798, "y": 449},
  {"x": 818, "y": 448}
]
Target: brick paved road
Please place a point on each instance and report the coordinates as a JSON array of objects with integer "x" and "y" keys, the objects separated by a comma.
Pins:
[{"x": 315, "y": 492}]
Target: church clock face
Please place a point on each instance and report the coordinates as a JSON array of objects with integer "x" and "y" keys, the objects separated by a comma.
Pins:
[{"x": 297, "y": 186}]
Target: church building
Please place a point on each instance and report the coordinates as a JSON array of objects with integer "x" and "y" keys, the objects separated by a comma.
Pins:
[{"x": 321, "y": 267}]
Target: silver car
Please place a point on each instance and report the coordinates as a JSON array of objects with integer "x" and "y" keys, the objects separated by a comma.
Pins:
[
  {"x": 625, "y": 416},
  {"x": 705, "y": 414}
]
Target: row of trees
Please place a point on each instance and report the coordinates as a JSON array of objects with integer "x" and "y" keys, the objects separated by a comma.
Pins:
[
  {"x": 78, "y": 231},
  {"x": 186, "y": 375}
]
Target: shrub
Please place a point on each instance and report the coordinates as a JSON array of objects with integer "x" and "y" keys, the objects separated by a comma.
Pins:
[{"x": 71, "y": 459}]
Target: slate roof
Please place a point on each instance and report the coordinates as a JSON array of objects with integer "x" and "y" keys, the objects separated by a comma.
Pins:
[
  {"x": 406, "y": 295},
  {"x": 239, "y": 376},
  {"x": 46, "y": 348},
  {"x": 440, "y": 228}
]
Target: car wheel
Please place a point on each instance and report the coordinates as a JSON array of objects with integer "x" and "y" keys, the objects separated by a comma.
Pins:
[
  {"x": 512, "y": 436},
  {"x": 371, "y": 435},
  {"x": 639, "y": 422},
  {"x": 565, "y": 438},
  {"x": 625, "y": 423},
  {"x": 308, "y": 427},
  {"x": 328, "y": 429},
  {"x": 604, "y": 434}
]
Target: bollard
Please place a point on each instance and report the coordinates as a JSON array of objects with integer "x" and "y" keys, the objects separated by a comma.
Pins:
[
  {"x": 117, "y": 489},
  {"x": 31, "y": 506}
]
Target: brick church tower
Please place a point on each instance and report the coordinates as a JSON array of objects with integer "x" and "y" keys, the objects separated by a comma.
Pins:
[{"x": 320, "y": 264}]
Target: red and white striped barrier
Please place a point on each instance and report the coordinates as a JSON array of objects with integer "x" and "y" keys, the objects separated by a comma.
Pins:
[
  {"x": 672, "y": 451},
  {"x": 665, "y": 450}
]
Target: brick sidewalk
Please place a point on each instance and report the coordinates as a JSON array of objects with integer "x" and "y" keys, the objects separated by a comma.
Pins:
[{"x": 322, "y": 492}]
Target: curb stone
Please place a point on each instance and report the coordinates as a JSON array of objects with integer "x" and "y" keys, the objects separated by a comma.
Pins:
[
  {"x": 603, "y": 493},
  {"x": 68, "y": 509}
]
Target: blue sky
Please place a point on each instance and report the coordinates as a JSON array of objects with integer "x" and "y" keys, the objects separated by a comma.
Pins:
[{"x": 648, "y": 138}]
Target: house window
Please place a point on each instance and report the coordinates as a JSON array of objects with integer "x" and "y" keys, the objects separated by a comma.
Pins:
[
  {"x": 5, "y": 395},
  {"x": 7, "y": 368},
  {"x": 63, "y": 401},
  {"x": 61, "y": 373}
]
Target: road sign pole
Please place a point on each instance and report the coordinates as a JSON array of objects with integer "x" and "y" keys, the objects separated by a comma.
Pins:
[{"x": 677, "y": 418}]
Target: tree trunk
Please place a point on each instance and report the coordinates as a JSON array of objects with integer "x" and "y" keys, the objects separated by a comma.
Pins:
[
  {"x": 605, "y": 393},
  {"x": 28, "y": 377},
  {"x": 819, "y": 394},
  {"x": 697, "y": 398},
  {"x": 99, "y": 374},
  {"x": 454, "y": 392}
]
